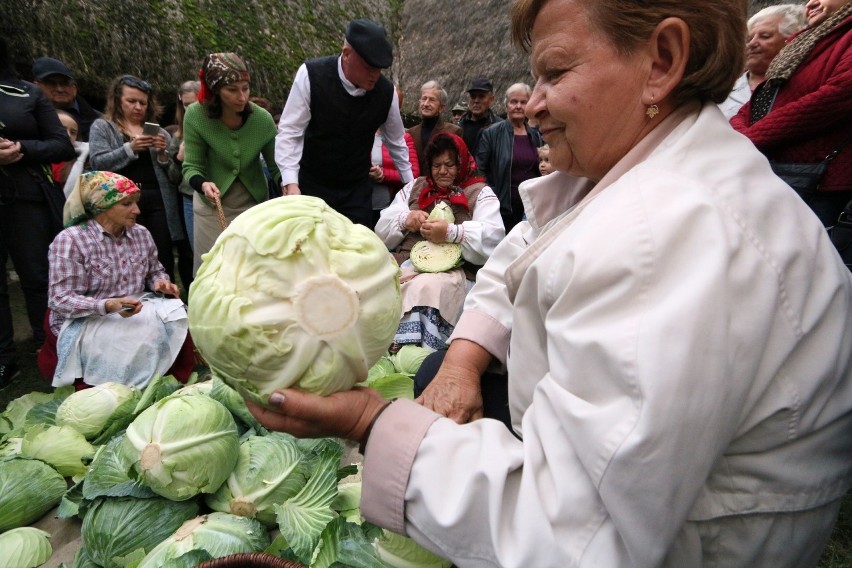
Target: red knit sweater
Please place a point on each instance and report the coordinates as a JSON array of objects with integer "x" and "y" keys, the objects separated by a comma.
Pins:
[{"x": 812, "y": 114}]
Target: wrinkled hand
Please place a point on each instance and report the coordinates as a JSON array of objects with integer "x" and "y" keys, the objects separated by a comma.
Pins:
[
  {"x": 341, "y": 415},
  {"x": 434, "y": 231},
  {"x": 141, "y": 142},
  {"x": 167, "y": 287},
  {"x": 210, "y": 190},
  {"x": 291, "y": 189},
  {"x": 10, "y": 152},
  {"x": 376, "y": 173},
  {"x": 455, "y": 393},
  {"x": 415, "y": 219},
  {"x": 118, "y": 305}
]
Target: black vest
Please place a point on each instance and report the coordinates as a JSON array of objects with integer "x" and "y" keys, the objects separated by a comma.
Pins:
[{"x": 339, "y": 137}]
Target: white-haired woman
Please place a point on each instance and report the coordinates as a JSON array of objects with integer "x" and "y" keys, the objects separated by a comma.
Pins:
[
  {"x": 507, "y": 154},
  {"x": 768, "y": 31}
]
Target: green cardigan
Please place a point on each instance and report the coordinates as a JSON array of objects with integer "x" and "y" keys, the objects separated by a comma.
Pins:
[{"x": 221, "y": 155}]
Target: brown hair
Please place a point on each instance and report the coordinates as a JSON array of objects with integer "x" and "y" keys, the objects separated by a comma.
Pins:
[
  {"x": 185, "y": 87},
  {"x": 113, "y": 113},
  {"x": 716, "y": 32}
]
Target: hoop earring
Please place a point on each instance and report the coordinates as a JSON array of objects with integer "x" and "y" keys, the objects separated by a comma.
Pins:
[{"x": 652, "y": 110}]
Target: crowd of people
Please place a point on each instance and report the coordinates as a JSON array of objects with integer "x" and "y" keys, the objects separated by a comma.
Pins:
[{"x": 659, "y": 324}]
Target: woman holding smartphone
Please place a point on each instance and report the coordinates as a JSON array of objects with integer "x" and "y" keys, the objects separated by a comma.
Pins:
[
  {"x": 224, "y": 137},
  {"x": 128, "y": 142}
]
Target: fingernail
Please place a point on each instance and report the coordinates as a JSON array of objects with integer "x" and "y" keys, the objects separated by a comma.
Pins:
[{"x": 276, "y": 399}]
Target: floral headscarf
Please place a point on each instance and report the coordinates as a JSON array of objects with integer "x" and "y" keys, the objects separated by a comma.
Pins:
[
  {"x": 468, "y": 174},
  {"x": 218, "y": 70},
  {"x": 93, "y": 193}
]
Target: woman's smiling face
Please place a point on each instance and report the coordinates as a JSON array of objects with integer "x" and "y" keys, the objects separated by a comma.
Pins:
[{"x": 587, "y": 98}]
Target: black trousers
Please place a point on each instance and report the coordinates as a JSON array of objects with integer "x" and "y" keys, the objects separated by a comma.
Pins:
[
  {"x": 494, "y": 386},
  {"x": 153, "y": 217},
  {"x": 354, "y": 202},
  {"x": 26, "y": 231}
]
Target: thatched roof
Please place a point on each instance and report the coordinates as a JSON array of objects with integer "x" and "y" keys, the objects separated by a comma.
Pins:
[{"x": 164, "y": 41}]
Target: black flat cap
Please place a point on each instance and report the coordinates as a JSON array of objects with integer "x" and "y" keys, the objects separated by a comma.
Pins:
[
  {"x": 481, "y": 84},
  {"x": 370, "y": 41},
  {"x": 44, "y": 66}
]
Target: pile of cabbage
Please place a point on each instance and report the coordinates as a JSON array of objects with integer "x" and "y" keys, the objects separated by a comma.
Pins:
[{"x": 174, "y": 476}]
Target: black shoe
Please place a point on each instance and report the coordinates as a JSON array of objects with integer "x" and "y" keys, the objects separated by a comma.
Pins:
[{"x": 8, "y": 371}]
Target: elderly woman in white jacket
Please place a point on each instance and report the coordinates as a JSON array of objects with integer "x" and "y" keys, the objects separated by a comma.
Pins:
[{"x": 677, "y": 338}]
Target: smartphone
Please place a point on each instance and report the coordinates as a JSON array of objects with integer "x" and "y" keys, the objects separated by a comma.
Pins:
[
  {"x": 126, "y": 309},
  {"x": 151, "y": 129}
]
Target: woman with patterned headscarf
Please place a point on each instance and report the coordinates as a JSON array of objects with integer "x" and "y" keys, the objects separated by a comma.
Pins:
[
  {"x": 432, "y": 302},
  {"x": 802, "y": 112},
  {"x": 224, "y": 137},
  {"x": 103, "y": 326}
]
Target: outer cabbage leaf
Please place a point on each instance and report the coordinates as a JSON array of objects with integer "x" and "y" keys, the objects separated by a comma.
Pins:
[
  {"x": 110, "y": 474},
  {"x": 398, "y": 551},
  {"x": 62, "y": 447},
  {"x": 25, "y": 547},
  {"x": 183, "y": 446},
  {"x": 393, "y": 386},
  {"x": 217, "y": 534},
  {"x": 303, "y": 518},
  {"x": 294, "y": 295},
  {"x": 409, "y": 358},
  {"x": 88, "y": 411},
  {"x": 28, "y": 489},
  {"x": 114, "y": 528},
  {"x": 269, "y": 471},
  {"x": 44, "y": 404}
]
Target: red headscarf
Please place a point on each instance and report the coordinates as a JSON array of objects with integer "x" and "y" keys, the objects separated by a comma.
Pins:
[{"x": 468, "y": 174}]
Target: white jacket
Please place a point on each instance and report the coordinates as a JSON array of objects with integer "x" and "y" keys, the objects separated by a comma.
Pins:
[{"x": 679, "y": 369}]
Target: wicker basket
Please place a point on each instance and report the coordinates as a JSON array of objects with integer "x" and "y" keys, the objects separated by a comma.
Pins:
[{"x": 250, "y": 560}]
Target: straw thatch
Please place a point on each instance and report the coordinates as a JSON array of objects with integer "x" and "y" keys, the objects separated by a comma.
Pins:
[{"x": 164, "y": 41}]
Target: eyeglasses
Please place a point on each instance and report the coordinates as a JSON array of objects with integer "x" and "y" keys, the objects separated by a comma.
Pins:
[
  {"x": 437, "y": 166},
  {"x": 135, "y": 82}
]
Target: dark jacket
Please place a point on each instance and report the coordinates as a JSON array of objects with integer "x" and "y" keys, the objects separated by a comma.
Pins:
[
  {"x": 85, "y": 116},
  {"x": 494, "y": 159},
  {"x": 28, "y": 117},
  {"x": 472, "y": 129},
  {"x": 417, "y": 134}
]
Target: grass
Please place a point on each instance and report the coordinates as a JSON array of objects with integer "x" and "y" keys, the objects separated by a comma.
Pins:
[{"x": 837, "y": 554}]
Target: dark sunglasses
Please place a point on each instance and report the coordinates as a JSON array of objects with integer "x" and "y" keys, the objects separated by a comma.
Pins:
[{"x": 135, "y": 82}]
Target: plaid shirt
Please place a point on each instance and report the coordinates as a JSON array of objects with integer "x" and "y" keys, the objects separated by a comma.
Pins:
[{"x": 88, "y": 265}]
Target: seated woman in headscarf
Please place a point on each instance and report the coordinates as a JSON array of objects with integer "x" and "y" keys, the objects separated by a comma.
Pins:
[
  {"x": 109, "y": 319},
  {"x": 432, "y": 302}
]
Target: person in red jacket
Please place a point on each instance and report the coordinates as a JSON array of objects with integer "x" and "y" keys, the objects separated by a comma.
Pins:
[{"x": 803, "y": 111}]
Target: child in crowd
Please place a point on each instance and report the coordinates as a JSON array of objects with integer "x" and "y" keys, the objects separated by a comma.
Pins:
[
  {"x": 544, "y": 165},
  {"x": 64, "y": 171}
]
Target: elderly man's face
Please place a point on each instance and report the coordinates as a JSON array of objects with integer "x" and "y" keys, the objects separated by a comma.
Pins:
[
  {"x": 358, "y": 71},
  {"x": 61, "y": 90},
  {"x": 430, "y": 103},
  {"x": 480, "y": 102},
  {"x": 764, "y": 43}
]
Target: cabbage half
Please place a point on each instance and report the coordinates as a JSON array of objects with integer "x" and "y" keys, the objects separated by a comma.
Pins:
[
  {"x": 89, "y": 410},
  {"x": 294, "y": 295},
  {"x": 442, "y": 212},
  {"x": 269, "y": 471},
  {"x": 28, "y": 489},
  {"x": 214, "y": 536},
  {"x": 26, "y": 547},
  {"x": 427, "y": 256},
  {"x": 183, "y": 446},
  {"x": 116, "y": 527}
]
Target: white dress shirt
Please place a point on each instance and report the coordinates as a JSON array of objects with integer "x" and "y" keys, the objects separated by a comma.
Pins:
[{"x": 297, "y": 114}]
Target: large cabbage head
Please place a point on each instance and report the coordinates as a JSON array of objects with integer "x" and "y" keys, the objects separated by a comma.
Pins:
[
  {"x": 294, "y": 295},
  {"x": 28, "y": 489},
  {"x": 182, "y": 446},
  {"x": 89, "y": 410}
]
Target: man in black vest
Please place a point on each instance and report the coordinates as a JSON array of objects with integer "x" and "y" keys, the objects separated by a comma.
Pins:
[{"x": 327, "y": 128}]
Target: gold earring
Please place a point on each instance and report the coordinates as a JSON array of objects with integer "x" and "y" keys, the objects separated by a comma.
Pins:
[{"x": 652, "y": 110}]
